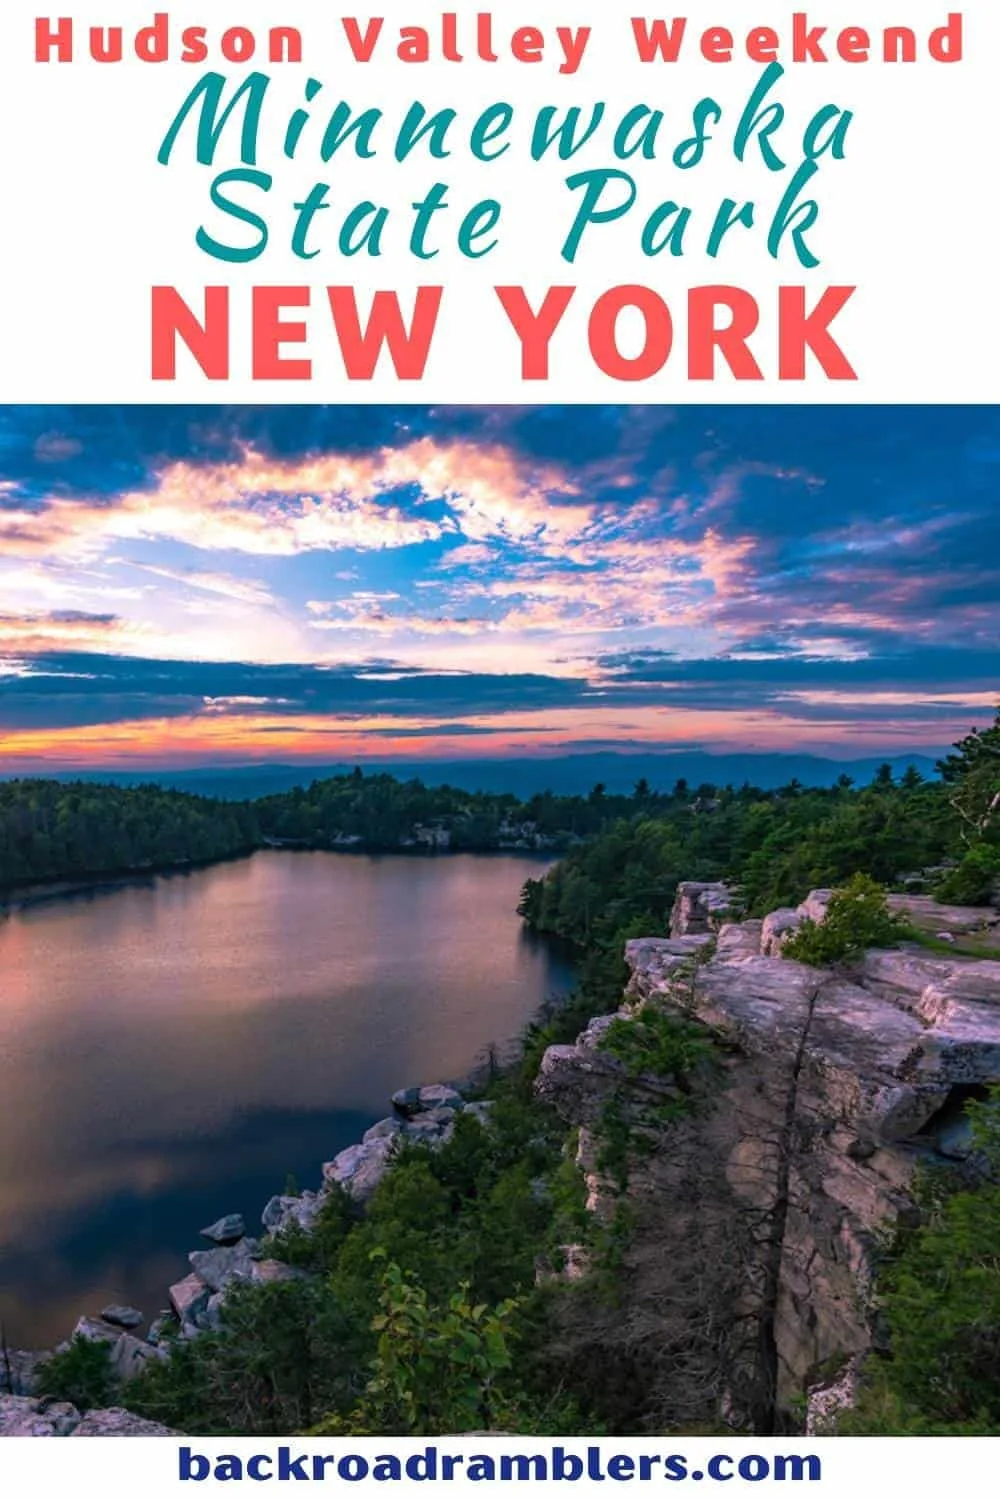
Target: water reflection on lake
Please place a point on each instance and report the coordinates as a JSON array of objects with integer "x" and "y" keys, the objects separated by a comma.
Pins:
[{"x": 171, "y": 1051}]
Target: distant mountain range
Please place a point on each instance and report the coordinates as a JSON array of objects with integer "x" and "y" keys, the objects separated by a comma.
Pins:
[{"x": 566, "y": 775}]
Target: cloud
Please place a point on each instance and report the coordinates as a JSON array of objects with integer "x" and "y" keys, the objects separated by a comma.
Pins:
[
  {"x": 493, "y": 494},
  {"x": 77, "y": 687},
  {"x": 638, "y": 580},
  {"x": 50, "y": 585},
  {"x": 468, "y": 555},
  {"x": 907, "y": 674},
  {"x": 267, "y": 506},
  {"x": 68, "y": 687},
  {"x": 257, "y": 506},
  {"x": 450, "y": 729},
  {"x": 56, "y": 447},
  {"x": 377, "y": 622},
  {"x": 766, "y": 572},
  {"x": 41, "y": 631},
  {"x": 226, "y": 585}
]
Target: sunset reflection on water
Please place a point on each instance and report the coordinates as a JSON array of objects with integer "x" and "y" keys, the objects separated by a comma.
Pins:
[{"x": 170, "y": 1051}]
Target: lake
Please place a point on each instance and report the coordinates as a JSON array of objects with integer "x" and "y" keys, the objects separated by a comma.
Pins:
[{"x": 171, "y": 1050}]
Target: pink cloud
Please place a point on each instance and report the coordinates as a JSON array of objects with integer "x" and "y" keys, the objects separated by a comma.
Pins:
[{"x": 272, "y": 507}]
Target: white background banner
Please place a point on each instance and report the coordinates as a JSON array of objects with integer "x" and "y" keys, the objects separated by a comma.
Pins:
[
  {"x": 152, "y": 1467},
  {"x": 652, "y": 204}
]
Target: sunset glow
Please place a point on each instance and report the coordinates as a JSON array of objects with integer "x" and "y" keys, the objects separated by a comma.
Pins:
[{"x": 194, "y": 586}]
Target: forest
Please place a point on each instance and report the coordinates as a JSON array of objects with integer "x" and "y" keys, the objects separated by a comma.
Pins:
[
  {"x": 55, "y": 830},
  {"x": 70, "y": 830},
  {"x": 776, "y": 844}
]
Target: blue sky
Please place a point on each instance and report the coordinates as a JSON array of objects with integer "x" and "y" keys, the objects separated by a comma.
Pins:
[{"x": 181, "y": 586}]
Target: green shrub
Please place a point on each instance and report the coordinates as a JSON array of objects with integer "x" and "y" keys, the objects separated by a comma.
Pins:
[
  {"x": 941, "y": 1305},
  {"x": 81, "y": 1374},
  {"x": 571, "y": 1221},
  {"x": 284, "y": 1354},
  {"x": 657, "y": 1043},
  {"x": 616, "y": 1141},
  {"x": 973, "y": 881},
  {"x": 435, "y": 1367},
  {"x": 943, "y": 1312},
  {"x": 939, "y": 1290},
  {"x": 857, "y": 918},
  {"x": 410, "y": 1217}
]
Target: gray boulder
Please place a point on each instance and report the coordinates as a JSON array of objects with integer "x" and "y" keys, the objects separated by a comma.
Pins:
[
  {"x": 580, "y": 1078},
  {"x": 871, "y": 1063},
  {"x": 954, "y": 1140},
  {"x": 433, "y": 1128},
  {"x": 816, "y": 905},
  {"x": 901, "y": 975},
  {"x": 956, "y": 996},
  {"x": 228, "y": 1230},
  {"x": 25, "y": 1416},
  {"x": 286, "y": 1209},
  {"x": 930, "y": 915},
  {"x": 19, "y": 1370},
  {"x": 115, "y": 1421},
  {"x": 382, "y": 1130},
  {"x": 359, "y": 1169},
  {"x": 700, "y": 908},
  {"x": 668, "y": 957},
  {"x": 212, "y": 1316},
  {"x": 189, "y": 1298},
  {"x": 131, "y": 1355},
  {"x": 778, "y": 926},
  {"x": 417, "y": 1101},
  {"x": 276, "y": 1211},
  {"x": 481, "y": 1110},
  {"x": 121, "y": 1316},
  {"x": 217, "y": 1268},
  {"x": 443, "y": 1116},
  {"x": 738, "y": 940}
]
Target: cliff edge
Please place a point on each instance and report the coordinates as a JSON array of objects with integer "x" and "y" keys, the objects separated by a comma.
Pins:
[{"x": 800, "y": 1151}]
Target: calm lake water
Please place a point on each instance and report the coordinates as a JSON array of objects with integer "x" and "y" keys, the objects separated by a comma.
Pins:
[{"x": 171, "y": 1051}]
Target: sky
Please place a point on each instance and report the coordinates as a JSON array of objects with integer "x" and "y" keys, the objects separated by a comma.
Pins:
[{"x": 229, "y": 585}]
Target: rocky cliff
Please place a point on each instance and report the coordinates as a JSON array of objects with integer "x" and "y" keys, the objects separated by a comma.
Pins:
[{"x": 800, "y": 1151}]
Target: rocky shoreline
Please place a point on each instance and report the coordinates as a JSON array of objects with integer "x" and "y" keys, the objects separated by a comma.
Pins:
[{"x": 425, "y": 1113}]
